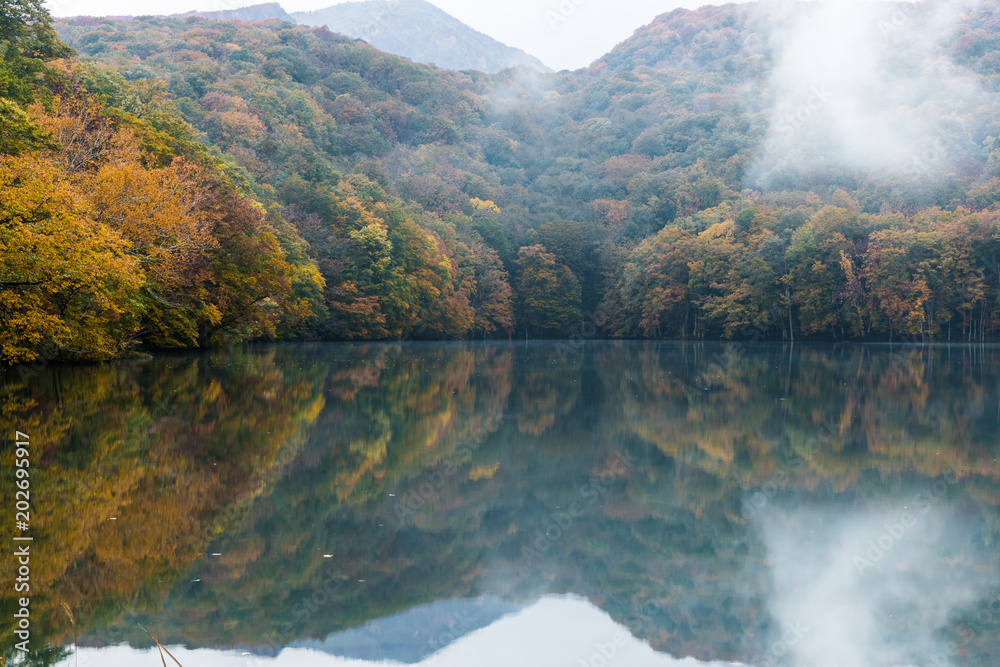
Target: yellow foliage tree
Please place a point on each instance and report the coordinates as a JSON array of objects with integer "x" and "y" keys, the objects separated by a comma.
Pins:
[{"x": 67, "y": 284}]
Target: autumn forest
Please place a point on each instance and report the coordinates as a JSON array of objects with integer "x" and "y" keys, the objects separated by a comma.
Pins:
[{"x": 170, "y": 183}]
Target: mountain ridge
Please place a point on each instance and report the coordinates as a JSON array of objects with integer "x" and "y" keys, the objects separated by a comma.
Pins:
[
  {"x": 261, "y": 12},
  {"x": 420, "y": 31}
]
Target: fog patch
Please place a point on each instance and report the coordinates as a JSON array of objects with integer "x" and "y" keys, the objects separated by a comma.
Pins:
[
  {"x": 865, "y": 86},
  {"x": 872, "y": 587}
]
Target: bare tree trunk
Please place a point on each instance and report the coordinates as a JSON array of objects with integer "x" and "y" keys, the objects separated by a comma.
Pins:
[{"x": 791, "y": 331}]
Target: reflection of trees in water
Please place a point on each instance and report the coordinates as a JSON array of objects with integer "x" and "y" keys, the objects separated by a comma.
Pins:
[
  {"x": 424, "y": 403},
  {"x": 548, "y": 387},
  {"x": 139, "y": 465},
  {"x": 920, "y": 411},
  {"x": 493, "y": 440}
]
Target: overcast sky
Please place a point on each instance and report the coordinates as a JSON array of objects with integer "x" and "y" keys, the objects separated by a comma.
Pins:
[{"x": 564, "y": 34}]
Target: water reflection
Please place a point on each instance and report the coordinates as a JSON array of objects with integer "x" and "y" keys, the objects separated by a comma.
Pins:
[
  {"x": 583, "y": 636},
  {"x": 824, "y": 506},
  {"x": 871, "y": 586}
]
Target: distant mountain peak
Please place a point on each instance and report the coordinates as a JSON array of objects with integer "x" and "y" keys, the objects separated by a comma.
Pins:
[
  {"x": 420, "y": 31},
  {"x": 261, "y": 12}
]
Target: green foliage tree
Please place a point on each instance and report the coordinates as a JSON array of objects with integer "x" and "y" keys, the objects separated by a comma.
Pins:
[{"x": 28, "y": 42}]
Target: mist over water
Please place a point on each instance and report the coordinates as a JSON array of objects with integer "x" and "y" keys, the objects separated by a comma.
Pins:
[
  {"x": 867, "y": 86},
  {"x": 870, "y": 587}
]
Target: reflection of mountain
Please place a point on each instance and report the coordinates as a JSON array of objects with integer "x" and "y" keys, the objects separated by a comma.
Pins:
[
  {"x": 415, "y": 634},
  {"x": 557, "y": 631},
  {"x": 441, "y": 472}
]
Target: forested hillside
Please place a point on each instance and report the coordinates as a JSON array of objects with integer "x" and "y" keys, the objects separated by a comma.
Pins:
[
  {"x": 116, "y": 224},
  {"x": 683, "y": 186}
]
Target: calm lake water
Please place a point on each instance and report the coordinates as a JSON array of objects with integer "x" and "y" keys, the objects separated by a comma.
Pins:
[{"x": 551, "y": 504}]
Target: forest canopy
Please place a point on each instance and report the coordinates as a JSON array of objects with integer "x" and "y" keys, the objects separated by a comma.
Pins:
[{"x": 211, "y": 181}]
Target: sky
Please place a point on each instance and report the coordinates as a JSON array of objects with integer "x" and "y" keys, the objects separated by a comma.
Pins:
[{"x": 564, "y": 34}]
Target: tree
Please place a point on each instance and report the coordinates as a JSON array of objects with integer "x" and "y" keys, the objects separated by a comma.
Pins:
[
  {"x": 652, "y": 293},
  {"x": 492, "y": 299},
  {"x": 17, "y": 131},
  {"x": 716, "y": 284},
  {"x": 896, "y": 272},
  {"x": 816, "y": 267},
  {"x": 575, "y": 245},
  {"x": 67, "y": 283},
  {"x": 27, "y": 43},
  {"x": 27, "y": 26},
  {"x": 251, "y": 279},
  {"x": 212, "y": 265},
  {"x": 548, "y": 293}
]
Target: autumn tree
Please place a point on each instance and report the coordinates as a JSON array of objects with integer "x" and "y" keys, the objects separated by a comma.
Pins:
[
  {"x": 575, "y": 244},
  {"x": 548, "y": 294},
  {"x": 652, "y": 295},
  {"x": 820, "y": 292},
  {"x": 251, "y": 278},
  {"x": 18, "y": 133},
  {"x": 898, "y": 266},
  {"x": 68, "y": 285},
  {"x": 725, "y": 304},
  {"x": 492, "y": 298}
]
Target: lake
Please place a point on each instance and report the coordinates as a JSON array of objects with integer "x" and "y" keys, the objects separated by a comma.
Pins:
[{"x": 574, "y": 503}]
